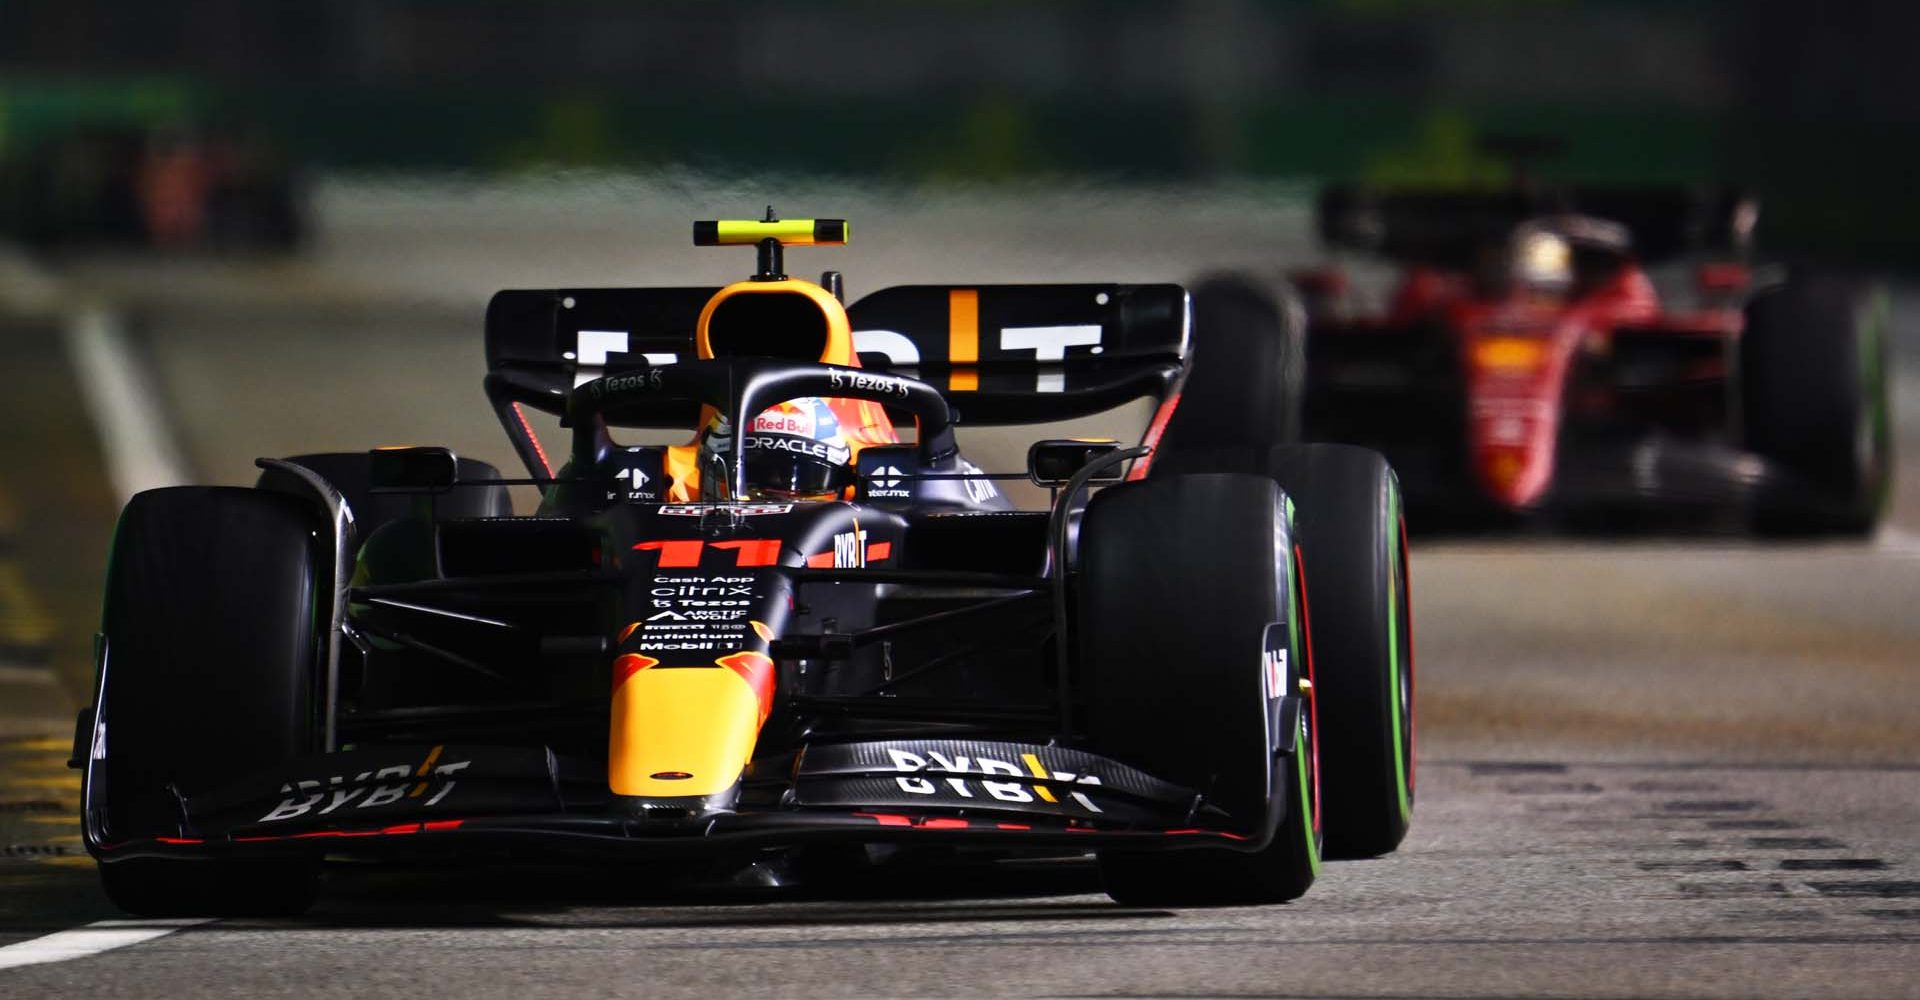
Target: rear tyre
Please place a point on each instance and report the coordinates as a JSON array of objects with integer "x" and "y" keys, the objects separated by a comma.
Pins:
[
  {"x": 211, "y": 626},
  {"x": 1179, "y": 580},
  {"x": 350, "y": 472},
  {"x": 1814, "y": 401},
  {"x": 1243, "y": 383}
]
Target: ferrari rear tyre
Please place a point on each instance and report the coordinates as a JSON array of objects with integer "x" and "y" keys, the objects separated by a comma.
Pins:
[
  {"x": 350, "y": 472},
  {"x": 1188, "y": 595},
  {"x": 1814, "y": 401},
  {"x": 1353, "y": 539},
  {"x": 211, "y": 630}
]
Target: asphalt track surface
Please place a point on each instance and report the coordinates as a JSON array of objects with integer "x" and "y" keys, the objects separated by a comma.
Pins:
[{"x": 1647, "y": 768}]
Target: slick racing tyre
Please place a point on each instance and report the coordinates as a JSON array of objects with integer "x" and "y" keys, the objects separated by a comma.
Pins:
[
  {"x": 1814, "y": 401},
  {"x": 1352, "y": 536},
  {"x": 350, "y": 472},
  {"x": 210, "y": 629},
  {"x": 1353, "y": 540},
  {"x": 1180, "y": 580},
  {"x": 1243, "y": 384}
]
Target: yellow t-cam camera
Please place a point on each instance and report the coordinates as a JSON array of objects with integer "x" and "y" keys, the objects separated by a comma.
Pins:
[{"x": 787, "y": 232}]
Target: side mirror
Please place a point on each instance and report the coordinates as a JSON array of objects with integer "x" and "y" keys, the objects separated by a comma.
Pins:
[
  {"x": 1052, "y": 463},
  {"x": 412, "y": 470}
]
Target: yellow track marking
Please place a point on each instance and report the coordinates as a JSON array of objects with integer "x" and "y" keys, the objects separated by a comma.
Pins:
[
  {"x": 69, "y": 782},
  {"x": 42, "y": 744},
  {"x": 21, "y": 618}
]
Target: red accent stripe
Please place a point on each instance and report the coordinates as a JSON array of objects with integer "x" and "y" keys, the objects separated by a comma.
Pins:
[
  {"x": 677, "y": 553},
  {"x": 1151, "y": 438},
  {"x": 822, "y": 561},
  {"x": 1195, "y": 832},
  {"x": 753, "y": 551},
  {"x": 1013, "y": 826},
  {"x": 1313, "y": 700},
  {"x": 434, "y": 826},
  {"x": 757, "y": 670},
  {"x": 627, "y": 664},
  {"x": 886, "y": 819},
  {"x": 943, "y": 823},
  {"x": 877, "y": 551},
  {"x": 538, "y": 451},
  {"x": 179, "y": 840}
]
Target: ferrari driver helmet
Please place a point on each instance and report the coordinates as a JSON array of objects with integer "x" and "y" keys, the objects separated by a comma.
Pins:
[{"x": 796, "y": 451}]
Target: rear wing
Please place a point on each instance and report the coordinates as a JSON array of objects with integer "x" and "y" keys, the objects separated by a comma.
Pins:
[
  {"x": 1000, "y": 354},
  {"x": 1448, "y": 227},
  {"x": 540, "y": 344},
  {"x": 1024, "y": 354}
]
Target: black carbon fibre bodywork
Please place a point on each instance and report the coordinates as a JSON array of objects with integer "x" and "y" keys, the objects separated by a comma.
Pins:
[{"x": 918, "y": 689}]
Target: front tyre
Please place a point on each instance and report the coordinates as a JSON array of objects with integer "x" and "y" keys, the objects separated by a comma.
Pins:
[
  {"x": 1353, "y": 538},
  {"x": 212, "y": 633},
  {"x": 1188, "y": 607}
]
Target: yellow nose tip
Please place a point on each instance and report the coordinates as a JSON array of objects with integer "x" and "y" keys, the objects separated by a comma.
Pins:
[{"x": 681, "y": 731}]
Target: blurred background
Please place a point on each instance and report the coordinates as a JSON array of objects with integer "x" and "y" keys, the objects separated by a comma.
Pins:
[
  {"x": 233, "y": 228},
  {"x": 1811, "y": 105},
  {"x": 240, "y": 228}
]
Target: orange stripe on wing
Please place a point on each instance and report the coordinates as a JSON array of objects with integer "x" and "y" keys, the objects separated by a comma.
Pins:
[{"x": 963, "y": 338}]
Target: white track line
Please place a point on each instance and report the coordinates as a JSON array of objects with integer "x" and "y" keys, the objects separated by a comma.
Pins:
[
  {"x": 94, "y": 938},
  {"x": 1898, "y": 542},
  {"x": 140, "y": 451}
]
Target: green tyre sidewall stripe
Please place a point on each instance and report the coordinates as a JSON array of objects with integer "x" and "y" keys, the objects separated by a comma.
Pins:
[
  {"x": 1394, "y": 627},
  {"x": 1304, "y": 750}
]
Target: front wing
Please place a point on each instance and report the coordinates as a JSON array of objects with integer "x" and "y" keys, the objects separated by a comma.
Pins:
[{"x": 441, "y": 800}]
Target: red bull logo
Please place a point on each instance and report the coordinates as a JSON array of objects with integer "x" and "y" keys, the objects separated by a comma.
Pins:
[{"x": 800, "y": 417}]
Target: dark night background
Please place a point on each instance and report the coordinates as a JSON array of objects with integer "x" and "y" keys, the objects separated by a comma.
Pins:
[{"x": 1811, "y": 105}]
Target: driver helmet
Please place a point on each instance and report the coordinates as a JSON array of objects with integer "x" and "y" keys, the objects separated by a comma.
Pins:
[{"x": 796, "y": 450}]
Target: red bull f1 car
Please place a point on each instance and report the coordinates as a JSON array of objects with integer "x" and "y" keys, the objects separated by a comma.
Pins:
[
  {"x": 1526, "y": 364},
  {"x": 815, "y": 625}
]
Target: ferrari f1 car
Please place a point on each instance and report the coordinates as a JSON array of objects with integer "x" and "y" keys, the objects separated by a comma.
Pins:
[
  {"x": 1525, "y": 363},
  {"x": 781, "y": 637}
]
